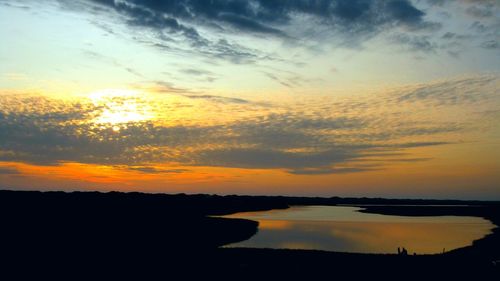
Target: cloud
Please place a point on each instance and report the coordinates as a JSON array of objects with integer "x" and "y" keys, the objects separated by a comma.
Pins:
[
  {"x": 404, "y": 11},
  {"x": 328, "y": 170},
  {"x": 262, "y": 16},
  {"x": 453, "y": 38},
  {"x": 112, "y": 61},
  {"x": 200, "y": 74},
  {"x": 14, "y": 5},
  {"x": 229, "y": 51},
  {"x": 415, "y": 43},
  {"x": 219, "y": 31},
  {"x": 196, "y": 72},
  {"x": 154, "y": 170},
  {"x": 409, "y": 131},
  {"x": 491, "y": 44},
  {"x": 388, "y": 160},
  {"x": 437, "y": 2},
  {"x": 480, "y": 11},
  {"x": 212, "y": 28},
  {"x": 456, "y": 91},
  {"x": 218, "y": 99},
  {"x": 479, "y": 27},
  {"x": 336, "y": 136},
  {"x": 168, "y": 88},
  {"x": 247, "y": 24},
  {"x": 54, "y": 133},
  {"x": 8, "y": 171},
  {"x": 420, "y": 144},
  {"x": 280, "y": 81},
  {"x": 260, "y": 158}
]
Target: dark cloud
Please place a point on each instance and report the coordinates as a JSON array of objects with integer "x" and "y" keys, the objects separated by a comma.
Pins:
[
  {"x": 262, "y": 15},
  {"x": 454, "y": 36},
  {"x": 196, "y": 72},
  {"x": 491, "y": 44},
  {"x": 43, "y": 131},
  {"x": 437, "y": 2},
  {"x": 404, "y": 11},
  {"x": 479, "y": 27},
  {"x": 287, "y": 78},
  {"x": 235, "y": 53},
  {"x": 420, "y": 144},
  {"x": 14, "y": 5},
  {"x": 334, "y": 170},
  {"x": 409, "y": 131},
  {"x": 154, "y": 170},
  {"x": 415, "y": 43},
  {"x": 388, "y": 160},
  {"x": 355, "y": 19},
  {"x": 282, "y": 141},
  {"x": 256, "y": 158},
  {"x": 200, "y": 74},
  {"x": 247, "y": 24},
  {"x": 8, "y": 171},
  {"x": 289, "y": 131},
  {"x": 211, "y": 29},
  {"x": 218, "y": 99}
]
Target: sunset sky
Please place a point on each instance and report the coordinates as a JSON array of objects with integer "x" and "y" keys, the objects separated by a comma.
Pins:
[{"x": 389, "y": 98}]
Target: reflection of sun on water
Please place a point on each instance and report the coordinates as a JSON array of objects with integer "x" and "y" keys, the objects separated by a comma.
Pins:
[{"x": 118, "y": 107}]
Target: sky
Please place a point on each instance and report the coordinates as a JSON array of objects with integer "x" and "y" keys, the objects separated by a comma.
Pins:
[{"x": 382, "y": 98}]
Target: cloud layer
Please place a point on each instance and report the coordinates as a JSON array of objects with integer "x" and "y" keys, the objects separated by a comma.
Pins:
[
  {"x": 315, "y": 137},
  {"x": 213, "y": 29}
]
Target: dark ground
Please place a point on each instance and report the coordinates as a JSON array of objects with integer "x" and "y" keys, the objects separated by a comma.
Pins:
[{"x": 157, "y": 236}]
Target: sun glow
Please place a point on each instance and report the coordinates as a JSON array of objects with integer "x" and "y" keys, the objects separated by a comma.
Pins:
[{"x": 117, "y": 107}]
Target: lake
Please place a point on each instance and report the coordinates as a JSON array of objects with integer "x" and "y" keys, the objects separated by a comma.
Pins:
[{"x": 344, "y": 229}]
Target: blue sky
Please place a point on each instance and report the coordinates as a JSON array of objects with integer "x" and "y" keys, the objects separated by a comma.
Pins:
[{"x": 273, "y": 45}]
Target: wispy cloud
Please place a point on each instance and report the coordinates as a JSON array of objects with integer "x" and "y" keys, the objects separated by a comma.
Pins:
[
  {"x": 154, "y": 170},
  {"x": 456, "y": 91},
  {"x": 328, "y": 170},
  {"x": 168, "y": 88},
  {"x": 212, "y": 28}
]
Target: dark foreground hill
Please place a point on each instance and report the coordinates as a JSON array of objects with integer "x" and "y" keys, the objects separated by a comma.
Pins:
[{"x": 156, "y": 236}]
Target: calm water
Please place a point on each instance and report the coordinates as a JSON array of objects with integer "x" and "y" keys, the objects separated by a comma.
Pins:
[{"x": 343, "y": 229}]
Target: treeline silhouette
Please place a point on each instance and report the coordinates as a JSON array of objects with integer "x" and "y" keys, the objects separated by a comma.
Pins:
[
  {"x": 161, "y": 236},
  {"x": 156, "y": 222}
]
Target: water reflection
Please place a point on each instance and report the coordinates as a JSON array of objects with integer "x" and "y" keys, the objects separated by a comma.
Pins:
[{"x": 344, "y": 229}]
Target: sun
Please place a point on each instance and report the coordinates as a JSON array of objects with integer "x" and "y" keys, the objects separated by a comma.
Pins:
[{"x": 115, "y": 107}]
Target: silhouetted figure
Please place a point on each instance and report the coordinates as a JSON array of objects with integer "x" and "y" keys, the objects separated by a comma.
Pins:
[{"x": 402, "y": 252}]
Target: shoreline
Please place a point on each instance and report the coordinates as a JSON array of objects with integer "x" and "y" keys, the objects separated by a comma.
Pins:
[{"x": 170, "y": 233}]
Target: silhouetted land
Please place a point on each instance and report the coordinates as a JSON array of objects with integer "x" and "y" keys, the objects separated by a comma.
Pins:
[{"x": 140, "y": 235}]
